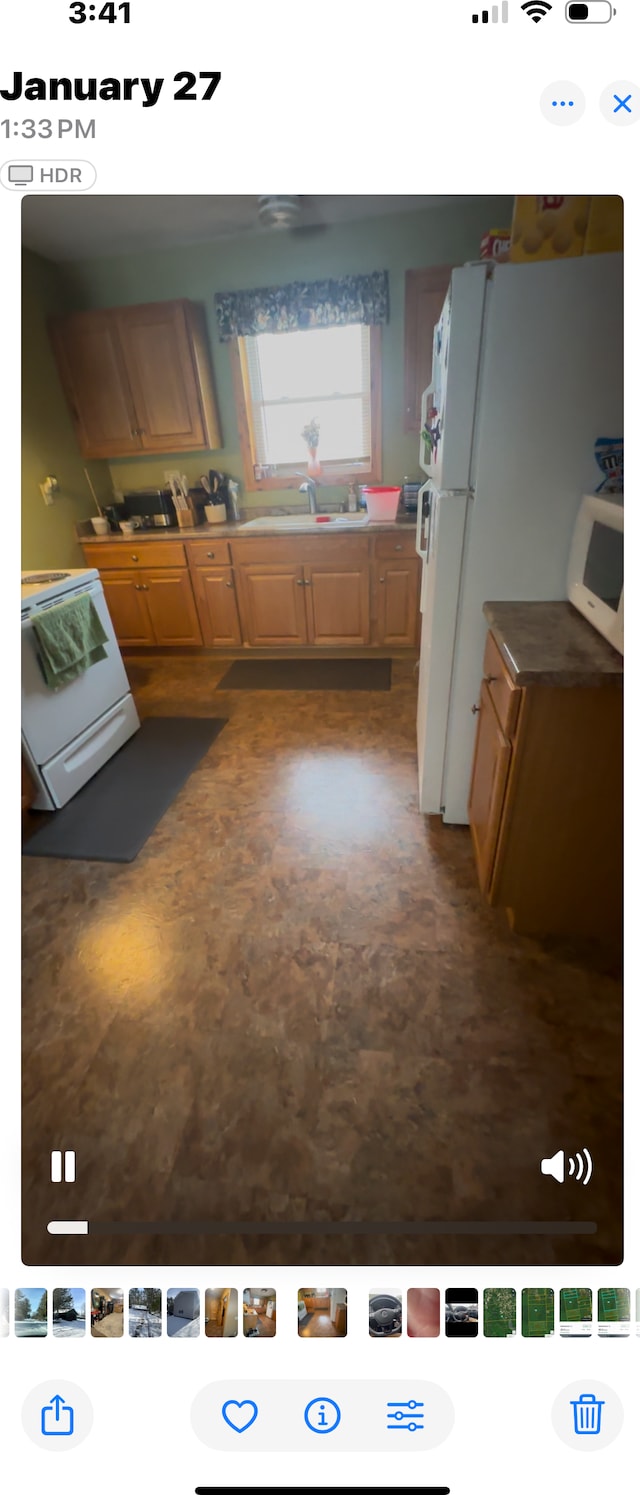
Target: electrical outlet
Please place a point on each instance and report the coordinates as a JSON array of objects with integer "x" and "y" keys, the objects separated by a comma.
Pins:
[{"x": 49, "y": 488}]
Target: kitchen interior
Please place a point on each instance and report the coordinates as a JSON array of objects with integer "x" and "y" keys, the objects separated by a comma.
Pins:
[
  {"x": 259, "y": 1313},
  {"x": 322, "y": 1312},
  {"x": 322, "y": 528}
]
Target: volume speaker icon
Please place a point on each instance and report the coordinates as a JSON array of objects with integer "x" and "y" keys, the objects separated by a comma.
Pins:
[
  {"x": 536, "y": 10},
  {"x": 580, "y": 1167}
]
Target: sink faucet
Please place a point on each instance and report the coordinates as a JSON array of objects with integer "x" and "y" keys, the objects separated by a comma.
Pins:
[{"x": 310, "y": 489}]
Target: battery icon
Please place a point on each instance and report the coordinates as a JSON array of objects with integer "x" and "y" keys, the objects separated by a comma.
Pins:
[{"x": 597, "y": 12}]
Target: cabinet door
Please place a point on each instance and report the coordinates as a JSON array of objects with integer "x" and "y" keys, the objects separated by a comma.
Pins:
[
  {"x": 157, "y": 351},
  {"x": 425, "y": 291},
  {"x": 272, "y": 610},
  {"x": 215, "y": 596},
  {"x": 337, "y": 602},
  {"x": 488, "y": 786},
  {"x": 125, "y": 601},
  {"x": 397, "y": 596},
  {"x": 93, "y": 377},
  {"x": 169, "y": 599}
]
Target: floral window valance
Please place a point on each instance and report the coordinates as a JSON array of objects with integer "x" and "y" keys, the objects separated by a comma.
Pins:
[{"x": 361, "y": 299}]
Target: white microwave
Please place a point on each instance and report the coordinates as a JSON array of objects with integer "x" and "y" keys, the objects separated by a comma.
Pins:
[{"x": 595, "y": 577}]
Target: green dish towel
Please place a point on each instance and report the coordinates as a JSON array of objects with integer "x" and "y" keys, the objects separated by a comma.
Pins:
[{"x": 70, "y": 639}]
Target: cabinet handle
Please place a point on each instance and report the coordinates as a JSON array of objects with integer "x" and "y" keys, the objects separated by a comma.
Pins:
[
  {"x": 211, "y": 555},
  {"x": 307, "y": 583},
  {"x": 229, "y": 584},
  {"x": 381, "y": 578},
  {"x": 474, "y": 709},
  {"x": 134, "y": 557},
  {"x": 299, "y": 582},
  {"x": 398, "y": 547},
  {"x": 490, "y": 679}
]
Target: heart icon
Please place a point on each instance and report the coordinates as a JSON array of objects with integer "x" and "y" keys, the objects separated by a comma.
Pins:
[{"x": 240, "y": 1415}]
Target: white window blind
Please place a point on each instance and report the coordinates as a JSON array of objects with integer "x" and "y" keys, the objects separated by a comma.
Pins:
[{"x": 322, "y": 375}]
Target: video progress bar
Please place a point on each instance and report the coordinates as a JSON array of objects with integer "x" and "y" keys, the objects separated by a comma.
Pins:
[{"x": 322, "y": 1227}]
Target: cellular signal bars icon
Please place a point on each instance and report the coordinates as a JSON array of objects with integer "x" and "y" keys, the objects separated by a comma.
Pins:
[{"x": 496, "y": 15}]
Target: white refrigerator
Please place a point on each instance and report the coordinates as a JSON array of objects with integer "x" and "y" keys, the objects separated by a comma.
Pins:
[{"x": 527, "y": 374}]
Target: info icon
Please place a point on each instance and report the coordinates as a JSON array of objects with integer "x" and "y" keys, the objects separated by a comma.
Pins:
[
  {"x": 563, "y": 103},
  {"x": 322, "y": 1415}
]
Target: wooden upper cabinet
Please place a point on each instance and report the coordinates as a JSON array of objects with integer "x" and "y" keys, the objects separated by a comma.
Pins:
[
  {"x": 138, "y": 379},
  {"x": 337, "y": 603},
  {"x": 91, "y": 367},
  {"x": 425, "y": 291}
]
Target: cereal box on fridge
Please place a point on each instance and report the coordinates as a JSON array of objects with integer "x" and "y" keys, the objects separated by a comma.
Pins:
[{"x": 548, "y": 228}]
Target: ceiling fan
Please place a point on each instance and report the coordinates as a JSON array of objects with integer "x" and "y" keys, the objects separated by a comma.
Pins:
[{"x": 295, "y": 213}]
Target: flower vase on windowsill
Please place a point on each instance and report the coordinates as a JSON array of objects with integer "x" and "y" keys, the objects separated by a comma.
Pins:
[{"x": 311, "y": 434}]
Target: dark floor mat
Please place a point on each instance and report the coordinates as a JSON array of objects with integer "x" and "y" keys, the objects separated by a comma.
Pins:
[
  {"x": 112, "y": 817},
  {"x": 307, "y": 674}
]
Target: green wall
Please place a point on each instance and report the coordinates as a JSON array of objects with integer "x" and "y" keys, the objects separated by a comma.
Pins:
[
  {"x": 48, "y": 438},
  {"x": 449, "y": 233}
]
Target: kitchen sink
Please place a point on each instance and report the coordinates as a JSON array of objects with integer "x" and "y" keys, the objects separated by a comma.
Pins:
[{"x": 306, "y": 521}]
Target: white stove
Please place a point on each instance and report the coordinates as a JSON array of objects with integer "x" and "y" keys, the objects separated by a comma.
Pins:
[
  {"x": 49, "y": 586},
  {"x": 70, "y": 732}
]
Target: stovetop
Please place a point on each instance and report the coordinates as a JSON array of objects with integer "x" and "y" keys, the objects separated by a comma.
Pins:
[{"x": 38, "y": 585}]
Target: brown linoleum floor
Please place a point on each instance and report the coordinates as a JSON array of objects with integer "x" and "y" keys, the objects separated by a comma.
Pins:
[{"x": 295, "y": 1006}]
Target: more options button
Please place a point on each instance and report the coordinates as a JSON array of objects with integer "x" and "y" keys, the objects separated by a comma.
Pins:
[
  {"x": 321, "y": 1416},
  {"x": 57, "y": 1415}
]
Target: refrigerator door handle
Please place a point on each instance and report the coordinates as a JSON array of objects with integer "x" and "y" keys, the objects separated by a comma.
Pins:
[
  {"x": 425, "y": 453},
  {"x": 425, "y": 520}
]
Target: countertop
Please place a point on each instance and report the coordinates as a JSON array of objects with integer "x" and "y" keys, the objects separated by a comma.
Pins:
[
  {"x": 549, "y": 643},
  {"x": 238, "y": 532}
]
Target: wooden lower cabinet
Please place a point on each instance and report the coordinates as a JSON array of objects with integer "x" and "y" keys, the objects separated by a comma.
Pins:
[
  {"x": 272, "y": 605},
  {"x": 397, "y": 584},
  {"x": 125, "y": 601},
  {"x": 337, "y": 604},
  {"x": 343, "y": 592},
  {"x": 488, "y": 786},
  {"x": 168, "y": 595},
  {"x": 215, "y": 595},
  {"x": 152, "y": 608},
  {"x": 545, "y": 802}
]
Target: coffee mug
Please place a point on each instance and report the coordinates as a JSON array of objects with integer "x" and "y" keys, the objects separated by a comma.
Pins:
[
  {"x": 127, "y": 526},
  {"x": 100, "y": 526}
]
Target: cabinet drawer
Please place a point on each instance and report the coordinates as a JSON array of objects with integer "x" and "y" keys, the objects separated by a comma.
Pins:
[
  {"x": 134, "y": 553},
  {"x": 209, "y": 552},
  {"x": 388, "y": 547},
  {"x": 298, "y": 549},
  {"x": 504, "y": 695}
]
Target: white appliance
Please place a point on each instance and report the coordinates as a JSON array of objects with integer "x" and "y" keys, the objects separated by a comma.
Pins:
[
  {"x": 69, "y": 733},
  {"x": 595, "y": 574},
  {"x": 527, "y": 374}
]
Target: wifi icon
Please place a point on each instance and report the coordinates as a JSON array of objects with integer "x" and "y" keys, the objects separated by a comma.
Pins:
[
  {"x": 536, "y": 10},
  {"x": 580, "y": 1167}
]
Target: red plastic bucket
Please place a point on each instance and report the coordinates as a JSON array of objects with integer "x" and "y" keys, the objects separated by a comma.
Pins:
[{"x": 382, "y": 503}]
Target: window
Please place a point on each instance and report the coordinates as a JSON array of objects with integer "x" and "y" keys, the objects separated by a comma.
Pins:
[{"x": 284, "y": 381}]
